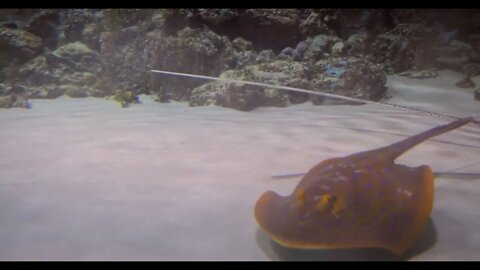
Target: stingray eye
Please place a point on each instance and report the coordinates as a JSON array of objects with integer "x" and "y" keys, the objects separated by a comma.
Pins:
[
  {"x": 326, "y": 202},
  {"x": 300, "y": 198},
  {"x": 338, "y": 206},
  {"x": 330, "y": 203}
]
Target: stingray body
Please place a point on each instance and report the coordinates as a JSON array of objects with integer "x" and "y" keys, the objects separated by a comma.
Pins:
[{"x": 357, "y": 201}]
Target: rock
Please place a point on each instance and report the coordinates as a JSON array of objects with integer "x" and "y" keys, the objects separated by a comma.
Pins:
[
  {"x": 95, "y": 92},
  {"x": 77, "y": 56},
  {"x": 353, "y": 21},
  {"x": 471, "y": 69},
  {"x": 4, "y": 89},
  {"x": 73, "y": 22},
  {"x": 394, "y": 51},
  {"x": 245, "y": 97},
  {"x": 266, "y": 28},
  {"x": 18, "y": 89},
  {"x": 45, "y": 91},
  {"x": 237, "y": 96},
  {"x": 191, "y": 51},
  {"x": 127, "y": 63},
  {"x": 217, "y": 16},
  {"x": 475, "y": 79},
  {"x": 47, "y": 53},
  {"x": 126, "y": 34},
  {"x": 265, "y": 56},
  {"x": 347, "y": 76},
  {"x": 313, "y": 49},
  {"x": 407, "y": 46},
  {"x": 452, "y": 61},
  {"x": 73, "y": 91},
  {"x": 114, "y": 20},
  {"x": 21, "y": 102},
  {"x": 244, "y": 58},
  {"x": 420, "y": 74},
  {"x": 286, "y": 54},
  {"x": 409, "y": 15},
  {"x": 277, "y": 17},
  {"x": 10, "y": 101},
  {"x": 91, "y": 34},
  {"x": 18, "y": 46},
  {"x": 6, "y": 101},
  {"x": 357, "y": 44},
  {"x": 445, "y": 37},
  {"x": 313, "y": 25},
  {"x": 125, "y": 98},
  {"x": 318, "y": 46},
  {"x": 240, "y": 43},
  {"x": 465, "y": 83},
  {"x": 337, "y": 48},
  {"x": 477, "y": 94},
  {"x": 46, "y": 25},
  {"x": 244, "y": 52},
  {"x": 454, "y": 55},
  {"x": 300, "y": 50},
  {"x": 71, "y": 65},
  {"x": 9, "y": 24}
]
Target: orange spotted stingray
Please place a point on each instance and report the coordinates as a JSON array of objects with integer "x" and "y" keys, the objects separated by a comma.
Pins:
[{"x": 357, "y": 201}]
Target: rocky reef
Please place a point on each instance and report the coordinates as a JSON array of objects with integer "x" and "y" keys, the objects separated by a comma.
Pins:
[{"x": 109, "y": 52}]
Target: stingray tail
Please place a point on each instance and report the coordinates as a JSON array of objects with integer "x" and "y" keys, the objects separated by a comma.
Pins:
[
  {"x": 397, "y": 149},
  {"x": 458, "y": 175}
]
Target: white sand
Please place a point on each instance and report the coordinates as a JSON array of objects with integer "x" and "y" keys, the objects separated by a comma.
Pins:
[{"x": 85, "y": 179}]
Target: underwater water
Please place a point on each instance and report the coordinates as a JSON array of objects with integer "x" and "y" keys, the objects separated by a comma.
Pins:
[
  {"x": 197, "y": 134},
  {"x": 87, "y": 179}
]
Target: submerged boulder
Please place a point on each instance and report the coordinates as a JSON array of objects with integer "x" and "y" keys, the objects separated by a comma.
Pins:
[
  {"x": 17, "y": 46},
  {"x": 471, "y": 69},
  {"x": 246, "y": 97},
  {"x": 12, "y": 100},
  {"x": 73, "y": 67},
  {"x": 190, "y": 51},
  {"x": 347, "y": 76},
  {"x": 465, "y": 83}
]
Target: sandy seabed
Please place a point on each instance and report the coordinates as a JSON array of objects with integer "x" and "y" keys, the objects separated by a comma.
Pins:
[{"x": 84, "y": 179}]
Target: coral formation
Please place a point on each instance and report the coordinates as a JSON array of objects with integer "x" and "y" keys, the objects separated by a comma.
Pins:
[{"x": 99, "y": 52}]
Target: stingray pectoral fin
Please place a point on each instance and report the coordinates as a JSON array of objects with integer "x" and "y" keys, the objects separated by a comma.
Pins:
[
  {"x": 267, "y": 216},
  {"x": 263, "y": 209},
  {"x": 276, "y": 222},
  {"x": 420, "y": 210},
  {"x": 459, "y": 175}
]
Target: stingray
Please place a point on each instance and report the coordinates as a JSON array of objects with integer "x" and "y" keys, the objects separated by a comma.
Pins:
[{"x": 363, "y": 200}]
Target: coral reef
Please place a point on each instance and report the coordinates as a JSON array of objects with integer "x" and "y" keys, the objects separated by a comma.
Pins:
[{"x": 46, "y": 53}]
